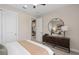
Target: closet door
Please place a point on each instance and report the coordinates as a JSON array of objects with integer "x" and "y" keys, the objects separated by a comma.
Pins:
[{"x": 9, "y": 26}]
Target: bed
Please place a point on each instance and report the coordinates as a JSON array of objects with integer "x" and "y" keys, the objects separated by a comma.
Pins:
[{"x": 27, "y": 47}]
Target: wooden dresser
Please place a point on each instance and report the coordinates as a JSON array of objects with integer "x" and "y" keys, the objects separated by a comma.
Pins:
[{"x": 60, "y": 41}]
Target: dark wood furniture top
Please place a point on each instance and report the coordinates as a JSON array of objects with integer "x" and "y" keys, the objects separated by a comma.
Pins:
[{"x": 60, "y": 41}]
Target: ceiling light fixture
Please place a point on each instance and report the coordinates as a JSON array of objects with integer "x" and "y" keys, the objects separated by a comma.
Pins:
[
  {"x": 25, "y": 6},
  {"x": 35, "y": 5}
]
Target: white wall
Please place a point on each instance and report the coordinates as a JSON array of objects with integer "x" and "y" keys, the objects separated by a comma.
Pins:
[
  {"x": 24, "y": 26},
  {"x": 70, "y": 16},
  {"x": 39, "y": 29},
  {"x": 0, "y": 26}
]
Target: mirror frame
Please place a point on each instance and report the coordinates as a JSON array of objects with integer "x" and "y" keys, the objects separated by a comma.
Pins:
[{"x": 50, "y": 21}]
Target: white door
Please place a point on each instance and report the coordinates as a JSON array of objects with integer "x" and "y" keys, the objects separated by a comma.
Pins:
[
  {"x": 9, "y": 26},
  {"x": 39, "y": 29}
]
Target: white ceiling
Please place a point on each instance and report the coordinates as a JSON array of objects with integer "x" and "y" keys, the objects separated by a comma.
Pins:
[{"x": 39, "y": 10}]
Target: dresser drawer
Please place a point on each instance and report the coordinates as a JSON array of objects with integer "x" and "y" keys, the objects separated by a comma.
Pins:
[{"x": 61, "y": 41}]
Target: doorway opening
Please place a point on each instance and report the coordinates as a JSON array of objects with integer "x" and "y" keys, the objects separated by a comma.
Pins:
[{"x": 34, "y": 29}]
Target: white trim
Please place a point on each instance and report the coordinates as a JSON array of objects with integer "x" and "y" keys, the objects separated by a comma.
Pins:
[{"x": 74, "y": 50}]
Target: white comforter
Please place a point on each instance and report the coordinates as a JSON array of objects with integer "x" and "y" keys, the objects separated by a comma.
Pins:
[{"x": 14, "y": 48}]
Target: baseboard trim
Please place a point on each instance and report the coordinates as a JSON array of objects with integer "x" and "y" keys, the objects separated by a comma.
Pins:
[{"x": 74, "y": 50}]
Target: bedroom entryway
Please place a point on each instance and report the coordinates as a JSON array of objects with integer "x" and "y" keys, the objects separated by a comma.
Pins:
[
  {"x": 37, "y": 30},
  {"x": 33, "y": 34}
]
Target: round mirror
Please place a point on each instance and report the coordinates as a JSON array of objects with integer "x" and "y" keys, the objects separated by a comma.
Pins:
[{"x": 54, "y": 26}]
